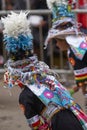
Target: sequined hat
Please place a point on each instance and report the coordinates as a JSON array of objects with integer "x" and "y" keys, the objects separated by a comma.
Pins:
[{"x": 63, "y": 22}]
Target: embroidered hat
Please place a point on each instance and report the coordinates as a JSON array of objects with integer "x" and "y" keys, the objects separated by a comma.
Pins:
[
  {"x": 17, "y": 35},
  {"x": 63, "y": 22},
  {"x": 61, "y": 8}
]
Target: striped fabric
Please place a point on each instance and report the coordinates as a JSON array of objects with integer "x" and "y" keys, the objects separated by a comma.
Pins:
[
  {"x": 81, "y": 75},
  {"x": 82, "y": 117},
  {"x": 81, "y": 78}
]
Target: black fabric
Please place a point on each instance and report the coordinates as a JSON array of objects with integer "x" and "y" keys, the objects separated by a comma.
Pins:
[
  {"x": 79, "y": 64},
  {"x": 1, "y": 43},
  {"x": 33, "y": 105},
  {"x": 63, "y": 120}
]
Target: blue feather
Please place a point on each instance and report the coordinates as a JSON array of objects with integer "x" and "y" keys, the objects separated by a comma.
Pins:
[{"x": 23, "y": 42}]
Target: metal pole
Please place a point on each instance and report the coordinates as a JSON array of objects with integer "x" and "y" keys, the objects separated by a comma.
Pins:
[
  {"x": 4, "y": 12},
  {"x": 41, "y": 43},
  {"x": 3, "y": 4},
  {"x": 61, "y": 60},
  {"x": 50, "y": 46},
  {"x": 28, "y": 6}
]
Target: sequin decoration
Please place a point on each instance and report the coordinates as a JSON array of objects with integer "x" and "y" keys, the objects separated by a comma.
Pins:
[
  {"x": 48, "y": 94},
  {"x": 83, "y": 45}
]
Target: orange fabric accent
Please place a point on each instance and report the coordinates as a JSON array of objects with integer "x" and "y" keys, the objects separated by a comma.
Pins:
[{"x": 72, "y": 61}]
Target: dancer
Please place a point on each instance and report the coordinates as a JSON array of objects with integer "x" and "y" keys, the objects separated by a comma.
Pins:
[
  {"x": 46, "y": 104},
  {"x": 66, "y": 31},
  {"x": 77, "y": 60}
]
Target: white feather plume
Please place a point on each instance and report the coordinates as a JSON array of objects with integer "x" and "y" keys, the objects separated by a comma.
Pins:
[
  {"x": 57, "y": 2},
  {"x": 15, "y": 24}
]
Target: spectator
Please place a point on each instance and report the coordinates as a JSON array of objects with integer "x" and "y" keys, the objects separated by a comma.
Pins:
[
  {"x": 9, "y": 4},
  {"x": 20, "y": 5},
  {"x": 37, "y": 5}
]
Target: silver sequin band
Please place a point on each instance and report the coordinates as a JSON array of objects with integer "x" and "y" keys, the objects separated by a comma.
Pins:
[
  {"x": 33, "y": 120},
  {"x": 50, "y": 110}
]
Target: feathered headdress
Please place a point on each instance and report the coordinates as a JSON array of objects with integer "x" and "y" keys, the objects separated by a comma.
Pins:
[
  {"x": 61, "y": 8},
  {"x": 63, "y": 22},
  {"x": 17, "y": 35}
]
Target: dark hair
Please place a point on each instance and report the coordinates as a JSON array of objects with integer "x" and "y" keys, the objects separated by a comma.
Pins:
[{"x": 20, "y": 54}]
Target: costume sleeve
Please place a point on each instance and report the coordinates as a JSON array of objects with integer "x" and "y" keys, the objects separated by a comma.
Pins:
[{"x": 26, "y": 101}]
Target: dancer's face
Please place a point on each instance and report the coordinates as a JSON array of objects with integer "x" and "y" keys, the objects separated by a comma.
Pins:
[{"x": 62, "y": 44}]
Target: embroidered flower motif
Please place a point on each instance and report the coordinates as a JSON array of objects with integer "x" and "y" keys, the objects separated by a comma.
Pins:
[
  {"x": 83, "y": 45},
  {"x": 48, "y": 94}
]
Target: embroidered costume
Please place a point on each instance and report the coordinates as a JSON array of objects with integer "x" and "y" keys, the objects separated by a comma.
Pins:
[
  {"x": 77, "y": 54},
  {"x": 46, "y": 104}
]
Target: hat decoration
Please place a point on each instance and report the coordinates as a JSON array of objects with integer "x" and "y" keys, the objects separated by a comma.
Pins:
[
  {"x": 65, "y": 26},
  {"x": 17, "y": 34},
  {"x": 63, "y": 22},
  {"x": 61, "y": 8}
]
